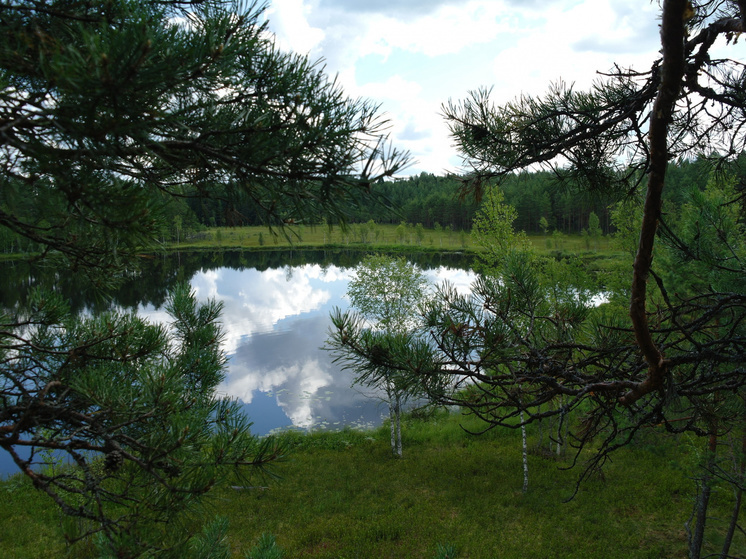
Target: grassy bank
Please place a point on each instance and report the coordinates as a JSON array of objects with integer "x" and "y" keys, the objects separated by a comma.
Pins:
[
  {"x": 342, "y": 495},
  {"x": 388, "y": 238},
  {"x": 599, "y": 254},
  {"x": 375, "y": 237}
]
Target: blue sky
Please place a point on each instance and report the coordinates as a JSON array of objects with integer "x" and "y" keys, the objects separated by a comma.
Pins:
[{"x": 411, "y": 56}]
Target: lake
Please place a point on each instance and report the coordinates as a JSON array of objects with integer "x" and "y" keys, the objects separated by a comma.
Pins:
[{"x": 275, "y": 319}]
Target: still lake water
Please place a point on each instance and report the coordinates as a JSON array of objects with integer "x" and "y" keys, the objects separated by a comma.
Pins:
[{"x": 275, "y": 319}]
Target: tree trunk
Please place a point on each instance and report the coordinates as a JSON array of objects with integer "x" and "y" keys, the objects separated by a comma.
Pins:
[
  {"x": 398, "y": 425},
  {"x": 738, "y": 493},
  {"x": 541, "y": 431},
  {"x": 562, "y": 423},
  {"x": 525, "y": 454},
  {"x": 697, "y": 538},
  {"x": 673, "y": 36},
  {"x": 392, "y": 419}
]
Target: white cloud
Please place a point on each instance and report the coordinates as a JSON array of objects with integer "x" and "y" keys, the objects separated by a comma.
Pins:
[
  {"x": 459, "y": 279},
  {"x": 561, "y": 50},
  {"x": 448, "y": 30},
  {"x": 402, "y": 8},
  {"x": 258, "y": 304},
  {"x": 412, "y": 56},
  {"x": 291, "y": 26},
  {"x": 395, "y": 87}
]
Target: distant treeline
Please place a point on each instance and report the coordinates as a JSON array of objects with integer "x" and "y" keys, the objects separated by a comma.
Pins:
[
  {"x": 543, "y": 205},
  {"x": 435, "y": 200}
]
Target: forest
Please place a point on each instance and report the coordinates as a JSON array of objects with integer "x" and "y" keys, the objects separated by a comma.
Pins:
[
  {"x": 125, "y": 126},
  {"x": 544, "y": 203},
  {"x": 435, "y": 200}
]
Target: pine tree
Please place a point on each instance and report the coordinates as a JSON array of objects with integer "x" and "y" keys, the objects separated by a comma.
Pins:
[
  {"x": 112, "y": 108},
  {"x": 109, "y": 111},
  {"x": 674, "y": 355}
]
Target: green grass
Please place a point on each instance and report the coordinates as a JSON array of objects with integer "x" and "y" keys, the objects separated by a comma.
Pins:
[
  {"x": 31, "y": 522},
  {"x": 355, "y": 500},
  {"x": 316, "y": 236},
  {"x": 385, "y": 236},
  {"x": 599, "y": 255},
  {"x": 342, "y": 495}
]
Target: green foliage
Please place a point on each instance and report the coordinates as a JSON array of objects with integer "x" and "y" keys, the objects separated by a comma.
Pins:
[
  {"x": 419, "y": 232},
  {"x": 678, "y": 359},
  {"x": 594, "y": 228},
  {"x": 401, "y": 232},
  {"x": 212, "y": 543},
  {"x": 493, "y": 230},
  {"x": 266, "y": 549},
  {"x": 116, "y": 112},
  {"x": 153, "y": 100},
  {"x": 707, "y": 244},
  {"x": 544, "y": 225},
  {"x": 445, "y": 551},
  {"x": 386, "y": 290},
  {"x": 558, "y": 239},
  {"x": 593, "y": 232},
  {"x": 582, "y": 137},
  {"x": 133, "y": 407},
  {"x": 432, "y": 200}
]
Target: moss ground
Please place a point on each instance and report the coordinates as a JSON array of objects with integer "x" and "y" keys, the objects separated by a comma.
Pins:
[{"x": 342, "y": 495}]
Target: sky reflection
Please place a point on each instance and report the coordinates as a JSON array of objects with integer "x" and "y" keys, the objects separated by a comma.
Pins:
[{"x": 276, "y": 322}]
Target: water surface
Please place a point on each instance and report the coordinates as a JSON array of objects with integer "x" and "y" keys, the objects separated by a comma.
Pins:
[{"x": 275, "y": 319}]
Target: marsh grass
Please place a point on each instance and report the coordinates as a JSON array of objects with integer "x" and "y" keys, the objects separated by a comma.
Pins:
[
  {"x": 383, "y": 236},
  {"x": 31, "y": 522},
  {"x": 342, "y": 495}
]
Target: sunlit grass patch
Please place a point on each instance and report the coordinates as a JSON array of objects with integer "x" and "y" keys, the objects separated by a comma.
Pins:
[
  {"x": 342, "y": 494},
  {"x": 356, "y": 500}
]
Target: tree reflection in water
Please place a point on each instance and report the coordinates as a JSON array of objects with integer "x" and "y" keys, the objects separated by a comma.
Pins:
[{"x": 275, "y": 318}]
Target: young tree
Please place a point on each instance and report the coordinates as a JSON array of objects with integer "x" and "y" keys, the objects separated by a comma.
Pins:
[
  {"x": 543, "y": 225},
  {"x": 594, "y": 228},
  {"x": 537, "y": 286},
  {"x": 109, "y": 111},
  {"x": 693, "y": 102},
  {"x": 419, "y": 233},
  {"x": 493, "y": 230},
  {"x": 386, "y": 292},
  {"x": 401, "y": 232},
  {"x": 679, "y": 354}
]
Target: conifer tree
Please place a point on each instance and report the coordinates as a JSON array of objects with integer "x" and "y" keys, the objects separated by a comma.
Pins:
[
  {"x": 674, "y": 355},
  {"x": 109, "y": 110}
]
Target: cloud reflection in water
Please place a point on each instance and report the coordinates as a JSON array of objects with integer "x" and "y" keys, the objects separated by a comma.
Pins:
[{"x": 276, "y": 322}]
